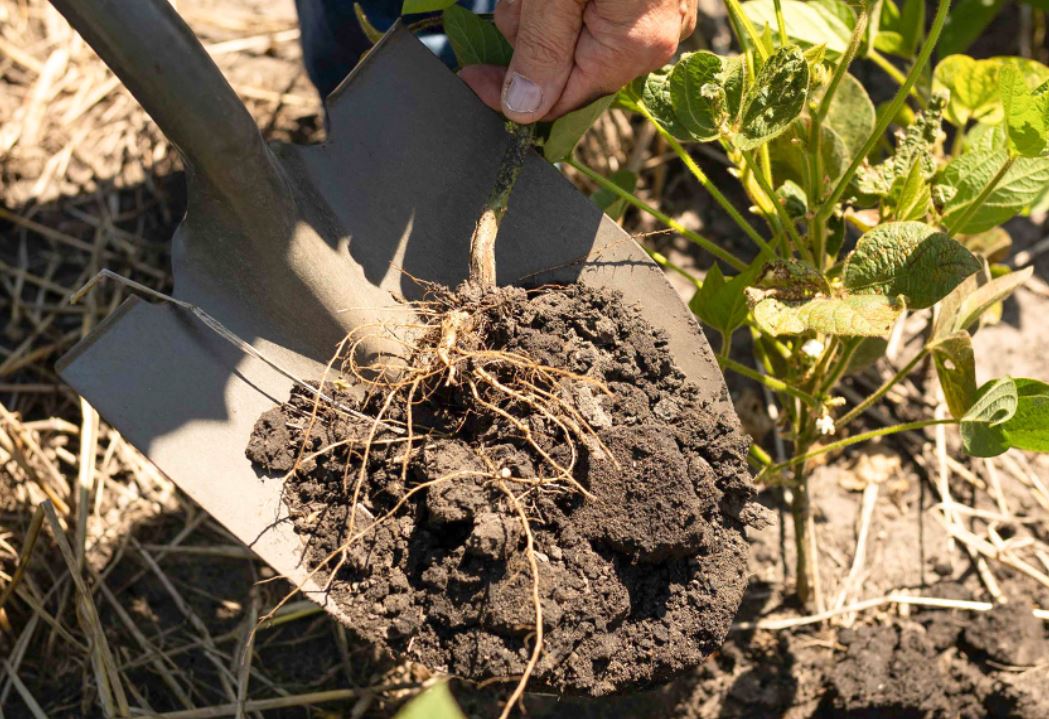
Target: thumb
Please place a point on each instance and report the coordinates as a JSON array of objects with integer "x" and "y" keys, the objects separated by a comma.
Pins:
[{"x": 544, "y": 52}]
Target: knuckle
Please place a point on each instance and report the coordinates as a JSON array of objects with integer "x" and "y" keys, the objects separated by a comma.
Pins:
[{"x": 542, "y": 48}]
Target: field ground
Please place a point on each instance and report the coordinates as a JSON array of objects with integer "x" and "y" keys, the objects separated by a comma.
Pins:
[{"x": 87, "y": 182}]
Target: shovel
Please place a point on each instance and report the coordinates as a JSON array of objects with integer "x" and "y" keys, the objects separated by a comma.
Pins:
[{"x": 291, "y": 247}]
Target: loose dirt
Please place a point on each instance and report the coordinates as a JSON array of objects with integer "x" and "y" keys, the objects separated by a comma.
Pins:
[{"x": 638, "y": 582}]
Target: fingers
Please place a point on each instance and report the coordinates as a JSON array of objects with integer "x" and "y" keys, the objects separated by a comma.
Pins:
[
  {"x": 621, "y": 40},
  {"x": 487, "y": 83},
  {"x": 544, "y": 52},
  {"x": 688, "y": 10},
  {"x": 507, "y": 18}
]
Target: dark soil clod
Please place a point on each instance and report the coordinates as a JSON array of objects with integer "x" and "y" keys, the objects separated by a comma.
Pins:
[{"x": 638, "y": 583}]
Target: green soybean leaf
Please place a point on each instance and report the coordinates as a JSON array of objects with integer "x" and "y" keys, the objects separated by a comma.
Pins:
[
  {"x": 901, "y": 28},
  {"x": 1016, "y": 192},
  {"x": 566, "y": 131},
  {"x": 910, "y": 259},
  {"x": 1028, "y": 428},
  {"x": 436, "y": 702},
  {"x": 851, "y": 113},
  {"x": 476, "y": 41},
  {"x": 956, "y": 368},
  {"x": 910, "y": 196},
  {"x": 414, "y": 7},
  {"x": 721, "y": 303},
  {"x": 700, "y": 86},
  {"x": 614, "y": 205},
  {"x": 1026, "y": 113},
  {"x": 808, "y": 23},
  {"x": 850, "y": 316},
  {"x": 776, "y": 99},
  {"x": 974, "y": 85},
  {"x": 789, "y": 153},
  {"x": 966, "y": 21},
  {"x": 655, "y": 94},
  {"x": 981, "y": 426}
]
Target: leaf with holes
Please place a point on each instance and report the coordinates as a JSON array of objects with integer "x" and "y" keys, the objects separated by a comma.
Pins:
[
  {"x": 851, "y": 316},
  {"x": 475, "y": 40},
  {"x": 776, "y": 99},
  {"x": 956, "y": 368},
  {"x": 705, "y": 93},
  {"x": 910, "y": 259}
]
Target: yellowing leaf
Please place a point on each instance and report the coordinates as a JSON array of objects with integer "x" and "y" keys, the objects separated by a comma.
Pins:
[
  {"x": 967, "y": 175},
  {"x": 851, "y": 316},
  {"x": 974, "y": 85},
  {"x": 956, "y": 368}
]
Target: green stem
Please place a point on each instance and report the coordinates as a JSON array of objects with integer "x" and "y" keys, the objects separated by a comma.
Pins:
[
  {"x": 892, "y": 71},
  {"x": 801, "y": 513},
  {"x": 781, "y": 212},
  {"x": 882, "y": 390},
  {"x": 818, "y": 230},
  {"x": 857, "y": 439},
  {"x": 827, "y": 206},
  {"x": 781, "y": 24},
  {"x": 772, "y": 383},
  {"x": 707, "y": 185},
  {"x": 736, "y": 10},
  {"x": 670, "y": 222},
  {"x": 834, "y": 376},
  {"x": 960, "y": 220},
  {"x": 660, "y": 259},
  {"x": 760, "y": 456}
]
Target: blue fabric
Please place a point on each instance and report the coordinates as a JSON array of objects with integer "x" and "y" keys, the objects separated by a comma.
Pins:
[{"x": 333, "y": 42}]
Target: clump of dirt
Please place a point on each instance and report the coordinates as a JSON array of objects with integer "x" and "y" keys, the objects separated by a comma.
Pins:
[{"x": 634, "y": 486}]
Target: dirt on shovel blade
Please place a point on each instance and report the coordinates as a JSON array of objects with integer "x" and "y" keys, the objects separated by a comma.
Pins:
[{"x": 638, "y": 583}]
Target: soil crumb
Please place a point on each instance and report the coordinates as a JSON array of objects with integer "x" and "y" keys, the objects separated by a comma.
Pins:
[{"x": 638, "y": 582}]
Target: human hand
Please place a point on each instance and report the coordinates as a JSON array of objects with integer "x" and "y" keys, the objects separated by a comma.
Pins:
[{"x": 569, "y": 52}]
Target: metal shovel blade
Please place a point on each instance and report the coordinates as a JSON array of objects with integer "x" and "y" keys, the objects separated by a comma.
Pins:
[{"x": 290, "y": 247}]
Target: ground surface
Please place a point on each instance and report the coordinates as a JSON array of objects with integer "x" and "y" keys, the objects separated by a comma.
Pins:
[{"x": 86, "y": 181}]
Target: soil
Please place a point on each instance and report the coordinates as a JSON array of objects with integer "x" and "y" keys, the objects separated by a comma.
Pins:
[{"x": 639, "y": 581}]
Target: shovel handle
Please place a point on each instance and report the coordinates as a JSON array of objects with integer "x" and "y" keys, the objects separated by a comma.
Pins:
[{"x": 160, "y": 60}]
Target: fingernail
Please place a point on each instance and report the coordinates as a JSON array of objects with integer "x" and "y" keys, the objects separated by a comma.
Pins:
[{"x": 522, "y": 95}]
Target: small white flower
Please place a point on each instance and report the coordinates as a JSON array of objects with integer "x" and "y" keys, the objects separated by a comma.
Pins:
[
  {"x": 825, "y": 424},
  {"x": 812, "y": 348}
]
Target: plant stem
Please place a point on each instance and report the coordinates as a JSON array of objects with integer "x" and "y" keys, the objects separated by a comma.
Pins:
[
  {"x": 482, "y": 244},
  {"x": 736, "y": 10},
  {"x": 892, "y": 71},
  {"x": 707, "y": 185},
  {"x": 818, "y": 230},
  {"x": 960, "y": 220},
  {"x": 759, "y": 455},
  {"x": 801, "y": 513},
  {"x": 786, "y": 223},
  {"x": 781, "y": 24},
  {"x": 670, "y": 222},
  {"x": 859, "y": 438},
  {"x": 882, "y": 390},
  {"x": 827, "y": 206},
  {"x": 772, "y": 383}
]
